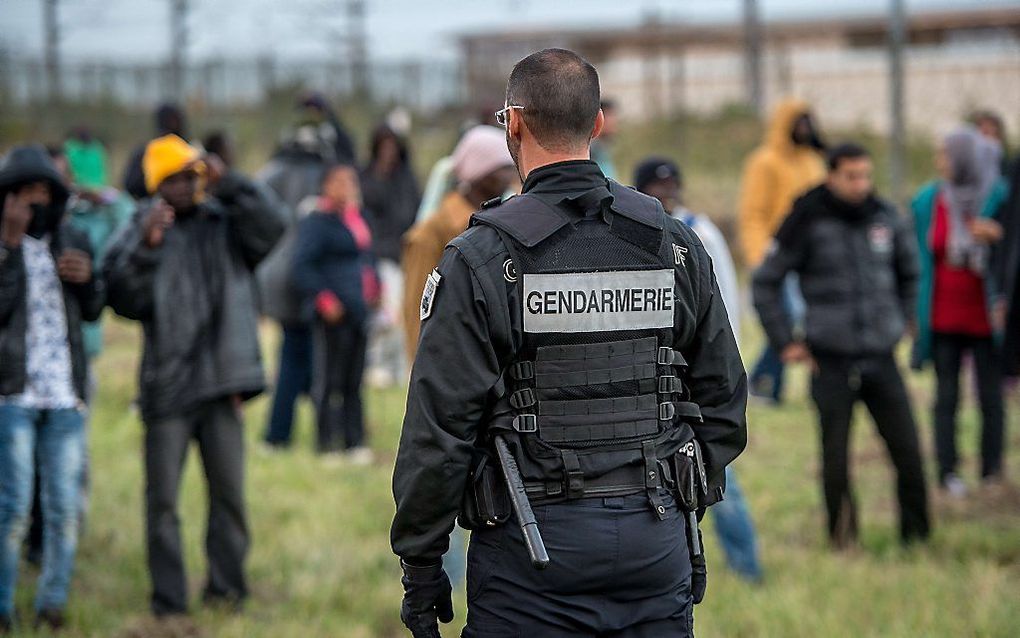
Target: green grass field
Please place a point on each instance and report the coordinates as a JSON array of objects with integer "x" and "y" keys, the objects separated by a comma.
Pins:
[{"x": 320, "y": 563}]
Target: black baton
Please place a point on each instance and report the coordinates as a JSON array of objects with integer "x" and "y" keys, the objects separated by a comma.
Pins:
[{"x": 521, "y": 504}]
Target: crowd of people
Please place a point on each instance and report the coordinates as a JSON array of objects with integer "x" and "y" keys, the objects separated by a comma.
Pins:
[{"x": 342, "y": 255}]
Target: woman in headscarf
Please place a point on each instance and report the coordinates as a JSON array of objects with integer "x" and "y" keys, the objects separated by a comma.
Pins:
[{"x": 953, "y": 217}]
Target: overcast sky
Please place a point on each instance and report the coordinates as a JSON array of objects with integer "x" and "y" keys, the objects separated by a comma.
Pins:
[{"x": 397, "y": 29}]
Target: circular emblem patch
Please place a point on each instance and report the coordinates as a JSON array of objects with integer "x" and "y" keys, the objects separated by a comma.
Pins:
[{"x": 509, "y": 272}]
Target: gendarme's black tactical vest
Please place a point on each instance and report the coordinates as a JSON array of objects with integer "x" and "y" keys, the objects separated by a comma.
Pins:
[{"x": 597, "y": 405}]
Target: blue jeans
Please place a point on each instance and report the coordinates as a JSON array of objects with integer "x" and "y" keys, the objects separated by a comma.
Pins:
[
  {"x": 735, "y": 529},
  {"x": 53, "y": 439},
  {"x": 294, "y": 379},
  {"x": 767, "y": 376}
]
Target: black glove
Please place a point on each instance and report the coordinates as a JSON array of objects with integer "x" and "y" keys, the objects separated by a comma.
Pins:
[
  {"x": 427, "y": 598},
  {"x": 699, "y": 575}
]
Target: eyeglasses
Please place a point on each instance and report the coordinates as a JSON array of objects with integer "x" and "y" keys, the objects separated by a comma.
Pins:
[{"x": 501, "y": 115}]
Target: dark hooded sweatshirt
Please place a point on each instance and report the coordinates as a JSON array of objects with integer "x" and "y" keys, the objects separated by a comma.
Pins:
[{"x": 82, "y": 302}]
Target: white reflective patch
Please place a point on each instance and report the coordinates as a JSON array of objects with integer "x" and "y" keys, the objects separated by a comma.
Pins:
[
  {"x": 680, "y": 255},
  {"x": 428, "y": 296},
  {"x": 598, "y": 301}
]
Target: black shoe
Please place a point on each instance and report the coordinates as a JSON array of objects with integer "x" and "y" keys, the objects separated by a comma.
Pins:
[
  {"x": 6, "y": 625},
  {"x": 52, "y": 619}
]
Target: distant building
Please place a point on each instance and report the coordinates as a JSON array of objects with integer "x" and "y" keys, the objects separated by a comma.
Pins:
[{"x": 955, "y": 61}]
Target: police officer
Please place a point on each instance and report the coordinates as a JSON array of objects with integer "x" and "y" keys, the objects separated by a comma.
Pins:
[{"x": 582, "y": 328}]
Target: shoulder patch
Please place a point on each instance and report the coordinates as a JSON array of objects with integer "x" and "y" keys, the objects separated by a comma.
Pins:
[{"x": 428, "y": 296}]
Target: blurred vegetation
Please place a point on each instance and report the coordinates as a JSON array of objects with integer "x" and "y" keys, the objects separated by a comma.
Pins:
[{"x": 709, "y": 149}]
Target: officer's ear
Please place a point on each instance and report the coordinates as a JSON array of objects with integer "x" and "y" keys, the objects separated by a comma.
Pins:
[
  {"x": 513, "y": 123},
  {"x": 600, "y": 121}
]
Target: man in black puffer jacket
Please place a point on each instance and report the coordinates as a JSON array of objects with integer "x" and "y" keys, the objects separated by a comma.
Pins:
[
  {"x": 184, "y": 269},
  {"x": 858, "y": 270}
]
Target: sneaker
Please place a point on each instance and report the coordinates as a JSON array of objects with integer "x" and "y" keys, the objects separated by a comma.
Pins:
[
  {"x": 380, "y": 379},
  {"x": 332, "y": 459},
  {"x": 52, "y": 619},
  {"x": 360, "y": 456},
  {"x": 954, "y": 486}
]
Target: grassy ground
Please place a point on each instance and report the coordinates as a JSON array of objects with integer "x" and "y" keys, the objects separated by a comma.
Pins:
[{"x": 320, "y": 563}]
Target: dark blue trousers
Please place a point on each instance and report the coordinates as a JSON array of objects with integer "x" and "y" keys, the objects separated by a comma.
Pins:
[
  {"x": 615, "y": 571},
  {"x": 293, "y": 380}
]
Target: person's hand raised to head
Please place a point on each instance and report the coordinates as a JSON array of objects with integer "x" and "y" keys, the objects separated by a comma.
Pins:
[
  {"x": 16, "y": 217},
  {"x": 157, "y": 221}
]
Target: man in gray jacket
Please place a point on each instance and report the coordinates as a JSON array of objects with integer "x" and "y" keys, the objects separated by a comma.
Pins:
[
  {"x": 858, "y": 270},
  {"x": 184, "y": 269}
]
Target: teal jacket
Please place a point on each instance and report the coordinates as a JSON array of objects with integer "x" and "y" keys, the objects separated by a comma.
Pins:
[
  {"x": 99, "y": 222},
  {"x": 923, "y": 208}
]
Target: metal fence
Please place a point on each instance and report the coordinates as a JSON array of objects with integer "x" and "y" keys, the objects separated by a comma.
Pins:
[{"x": 417, "y": 85}]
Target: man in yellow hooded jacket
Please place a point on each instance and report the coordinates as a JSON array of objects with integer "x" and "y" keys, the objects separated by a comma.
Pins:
[
  {"x": 785, "y": 165},
  {"x": 183, "y": 268}
]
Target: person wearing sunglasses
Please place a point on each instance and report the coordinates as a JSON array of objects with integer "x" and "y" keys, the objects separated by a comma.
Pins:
[{"x": 577, "y": 330}]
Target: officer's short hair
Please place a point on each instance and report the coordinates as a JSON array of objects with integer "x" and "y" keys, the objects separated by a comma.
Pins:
[
  {"x": 559, "y": 91},
  {"x": 845, "y": 151}
]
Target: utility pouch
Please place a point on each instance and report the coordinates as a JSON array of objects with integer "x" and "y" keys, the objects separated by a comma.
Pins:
[{"x": 486, "y": 502}]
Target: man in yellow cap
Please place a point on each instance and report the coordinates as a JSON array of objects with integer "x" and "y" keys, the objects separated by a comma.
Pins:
[{"x": 184, "y": 269}]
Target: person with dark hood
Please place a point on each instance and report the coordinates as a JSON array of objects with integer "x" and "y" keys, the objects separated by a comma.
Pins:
[
  {"x": 295, "y": 173},
  {"x": 48, "y": 287},
  {"x": 183, "y": 268},
  {"x": 953, "y": 218},
  {"x": 98, "y": 212},
  {"x": 170, "y": 120},
  {"x": 857, "y": 263},
  {"x": 783, "y": 167},
  {"x": 391, "y": 195}
]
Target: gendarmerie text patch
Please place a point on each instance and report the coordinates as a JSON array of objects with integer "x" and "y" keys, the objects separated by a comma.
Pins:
[{"x": 598, "y": 301}]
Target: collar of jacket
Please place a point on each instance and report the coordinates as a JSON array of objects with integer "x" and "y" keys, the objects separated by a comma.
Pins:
[{"x": 571, "y": 176}]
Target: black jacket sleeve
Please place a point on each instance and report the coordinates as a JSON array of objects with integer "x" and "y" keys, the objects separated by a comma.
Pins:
[
  {"x": 306, "y": 275},
  {"x": 717, "y": 380},
  {"x": 91, "y": 294},
  {"x": 129, "y": 270},
  {"x": 784, "y": 256},
  {"x": 907, "y": 266},
  {"x": 256, "y": 220},
  {"x": 454, "y": 375},
  {"x": 12, "y": 281}
]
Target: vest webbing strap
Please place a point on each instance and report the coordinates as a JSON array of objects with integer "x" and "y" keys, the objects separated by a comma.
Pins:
[
  {"x": 596, "y": 350},
  {"x": 607, "y": 432},
  {"x": 594, "y": 377}
]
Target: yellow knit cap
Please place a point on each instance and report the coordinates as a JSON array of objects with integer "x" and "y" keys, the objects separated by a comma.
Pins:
[{"x": 166, "y": 156}]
